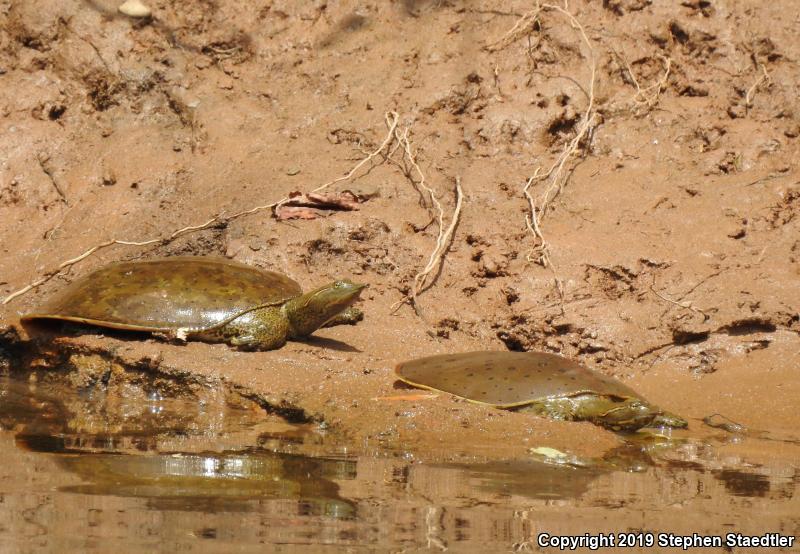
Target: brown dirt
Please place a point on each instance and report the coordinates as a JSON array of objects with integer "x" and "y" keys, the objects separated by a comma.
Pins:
[{"x": 675, "y": 236}]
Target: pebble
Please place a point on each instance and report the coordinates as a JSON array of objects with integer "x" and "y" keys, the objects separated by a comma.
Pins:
[{"x": 134, "y": 8}]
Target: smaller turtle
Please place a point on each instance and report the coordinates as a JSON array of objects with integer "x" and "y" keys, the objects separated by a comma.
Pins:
[
  {"x": 203, "y": 298},
  {"x": 545, "y": 384}
]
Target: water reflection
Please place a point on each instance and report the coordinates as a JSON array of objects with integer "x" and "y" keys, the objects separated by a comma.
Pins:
[
  {"x": 535, "y": 480},
  {"x": 212, "y": 481},
  {"x": 50, "y": 418},
  {"x": 143, "y": 464}
]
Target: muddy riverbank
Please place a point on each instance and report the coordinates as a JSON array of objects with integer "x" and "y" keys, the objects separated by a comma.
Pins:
[{"x": 665, "y": 251}]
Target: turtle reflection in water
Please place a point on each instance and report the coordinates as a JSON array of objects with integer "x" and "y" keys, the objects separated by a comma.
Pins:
[
  {"x": 545, "y": 384},
  {"x": 203, "y": 298}
]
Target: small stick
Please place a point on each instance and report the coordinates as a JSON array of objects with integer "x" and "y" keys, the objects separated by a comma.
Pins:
[
  {"x": 684, "y": 305},
  {"x": 764, "y": 77},
  {"x": 392, "y": 119}
]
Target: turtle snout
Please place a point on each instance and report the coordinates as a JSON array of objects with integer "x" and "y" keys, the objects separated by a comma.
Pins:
[{"x": 347, "y": 285}]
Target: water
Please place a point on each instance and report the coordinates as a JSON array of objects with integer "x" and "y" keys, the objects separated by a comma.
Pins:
[{"x": 147, "y": 466}]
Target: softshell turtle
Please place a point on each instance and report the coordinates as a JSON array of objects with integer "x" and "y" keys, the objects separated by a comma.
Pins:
[
  {"x": 545, "y": 384},
  {"x": 203, "y": 298}
]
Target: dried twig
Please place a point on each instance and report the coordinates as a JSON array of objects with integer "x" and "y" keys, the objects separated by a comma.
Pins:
[
  {"x": 684, "y": 305},
  {"x": 391, "y": 118},
  {"x": 763, "y": 78}
]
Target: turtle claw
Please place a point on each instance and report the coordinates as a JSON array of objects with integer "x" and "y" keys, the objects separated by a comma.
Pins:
[
  {"x": 244, "y": 341},
  {"x": 170, "y": 336},
  {"x": 350, "y": 316}
]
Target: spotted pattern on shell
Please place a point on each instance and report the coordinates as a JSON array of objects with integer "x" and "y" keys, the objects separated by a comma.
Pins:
[{"x": 508, "y": 379}]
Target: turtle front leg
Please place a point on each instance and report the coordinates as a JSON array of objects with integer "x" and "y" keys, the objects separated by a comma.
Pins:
[
  {"x": 262, "y": 329},
  {"x": 252, "y": 342},
  {"x": 350, "y": 316}
]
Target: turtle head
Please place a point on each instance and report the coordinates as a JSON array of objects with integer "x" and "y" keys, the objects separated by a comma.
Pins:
[
  {"x": 312, "y": 310},
  {"x": 630, "y": 414},
  {"x": 666, "y": 419},
  {"x": 618, "y": 414}
]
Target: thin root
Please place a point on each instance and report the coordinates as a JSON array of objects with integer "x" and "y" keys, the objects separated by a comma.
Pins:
[
  {"x": 392, "y": 119},
  {"x": 423, "y": 279}
]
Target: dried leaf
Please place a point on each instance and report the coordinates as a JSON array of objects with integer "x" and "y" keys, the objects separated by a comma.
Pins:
[
  {"x": 282, "y": 213},
  {"x": 310, "y": 206}
]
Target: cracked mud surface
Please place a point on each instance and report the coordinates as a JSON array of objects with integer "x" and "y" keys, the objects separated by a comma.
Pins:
[{"x": 676, "y": 237}]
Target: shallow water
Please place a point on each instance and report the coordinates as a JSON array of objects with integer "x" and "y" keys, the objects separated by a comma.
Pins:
[{"x": 139, "y": 469}]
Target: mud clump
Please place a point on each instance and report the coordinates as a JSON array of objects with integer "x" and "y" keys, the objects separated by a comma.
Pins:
[{"x": 89, "y": 370}]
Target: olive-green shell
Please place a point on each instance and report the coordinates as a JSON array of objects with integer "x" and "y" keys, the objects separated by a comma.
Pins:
[
  {"x": 191, "y": 293},
  {"x": 508, "y": 379}
]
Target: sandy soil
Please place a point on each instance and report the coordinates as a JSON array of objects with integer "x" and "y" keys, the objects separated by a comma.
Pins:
[{"x": 672, "y": 231}]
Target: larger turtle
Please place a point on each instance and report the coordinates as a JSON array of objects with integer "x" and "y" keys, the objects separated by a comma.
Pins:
[
  {"x": 545, "y": 384},
  {"x": 203, "y": 298}
]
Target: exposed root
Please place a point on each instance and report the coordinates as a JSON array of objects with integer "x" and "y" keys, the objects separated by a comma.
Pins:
[
  {"x": 220, "y": 219},
  {"x": 648, "y": 97},
  {"x": 558, "y": 174},
  {"x": 421, "y": 279},
  {"x": 424, "y": 279},
  {"x": 67, "y": 263}
]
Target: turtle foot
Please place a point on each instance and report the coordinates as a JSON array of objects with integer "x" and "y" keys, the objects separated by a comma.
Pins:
[{"x": 350, "y": 316}]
